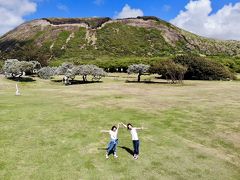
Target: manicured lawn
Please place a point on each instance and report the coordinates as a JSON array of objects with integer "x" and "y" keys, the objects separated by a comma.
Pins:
[{"x": 52, "y": 131}]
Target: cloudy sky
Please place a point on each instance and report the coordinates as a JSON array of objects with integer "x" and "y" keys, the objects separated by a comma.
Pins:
[{"x": 211, "y": 18}]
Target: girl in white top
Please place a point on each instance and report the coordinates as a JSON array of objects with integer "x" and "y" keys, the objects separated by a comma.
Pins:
[
  {"x": 133, "y": 131},
  {"x": 112, "y": 145}
]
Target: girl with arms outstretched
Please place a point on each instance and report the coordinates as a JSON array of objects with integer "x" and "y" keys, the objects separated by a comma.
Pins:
[
  {"x": 133, "y": 131},
  {"x": 112, "y": 145}
]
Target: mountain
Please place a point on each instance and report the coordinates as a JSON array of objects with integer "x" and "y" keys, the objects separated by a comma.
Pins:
[{"x": 99, "y": 40}]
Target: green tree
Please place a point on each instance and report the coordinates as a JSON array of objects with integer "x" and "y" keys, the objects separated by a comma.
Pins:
[
  {"x": 203, "y": 69},
  {"x": 170, "y": 70}
]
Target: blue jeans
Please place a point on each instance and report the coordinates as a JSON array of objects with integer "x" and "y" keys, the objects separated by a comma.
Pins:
[
  {"x": 112, "y": 146},
  {"x": 136, "y": 147}
]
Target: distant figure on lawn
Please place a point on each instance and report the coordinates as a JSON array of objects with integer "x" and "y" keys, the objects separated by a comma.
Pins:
[
  {"x": 135, "y": 140},
  {"x": 17, "y": 91},
  {"x": 112, "y": 145}
]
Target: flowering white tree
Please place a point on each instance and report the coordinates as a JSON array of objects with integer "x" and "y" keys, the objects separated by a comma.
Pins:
[
  {"x": 66, "y": 70},
  {"x": 14, "y": 68},
  {"x": 139, "y": 69},
  {"x": 85, "y": 70},
  {"x": 46, "y": 72}
]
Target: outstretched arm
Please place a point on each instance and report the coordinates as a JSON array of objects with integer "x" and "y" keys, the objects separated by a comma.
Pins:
[
  {"x": 124, "y": 125},
  {"x": 104, "y": 131},
  {"x": 118, "y": 127},
  {"x": 141, "y": 128}
]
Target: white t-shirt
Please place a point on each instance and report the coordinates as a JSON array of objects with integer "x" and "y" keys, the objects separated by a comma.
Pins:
[
  {"x": 134, "y": 134},
  {"x": 113, "y": 134}
]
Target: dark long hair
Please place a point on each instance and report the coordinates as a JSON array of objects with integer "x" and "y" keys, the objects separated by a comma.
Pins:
[
  {"x": 113, "y": 128},
  {"x": 129, "y": 124}
]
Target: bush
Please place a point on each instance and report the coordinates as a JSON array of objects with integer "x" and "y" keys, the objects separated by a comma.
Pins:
[
  {"x": 98, "y": 73},
  {"x": 200, "y": 68},
  {"x": 63, "y": 69},
  {"x": 148, "y": 18},
  {"x": 36, "y": 66},
  {"x": 170, "y": 70},
  {"x": 46, "y": 72},
  {"x": 14, "y": 68}
]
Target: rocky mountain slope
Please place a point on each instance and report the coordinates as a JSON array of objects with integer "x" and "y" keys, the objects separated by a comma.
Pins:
[{"x": 83, "y": 39}]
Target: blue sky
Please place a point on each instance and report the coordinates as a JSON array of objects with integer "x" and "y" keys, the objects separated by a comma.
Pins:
[
  {"x": 164, "y": 9},
  {"x": 211, "y": 18}
]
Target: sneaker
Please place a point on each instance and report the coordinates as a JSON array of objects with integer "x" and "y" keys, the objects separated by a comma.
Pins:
[
  {"x": 115, "y": 156},
  {"x": 135, "y": 157},
  {"x": 107, "y": 156}
]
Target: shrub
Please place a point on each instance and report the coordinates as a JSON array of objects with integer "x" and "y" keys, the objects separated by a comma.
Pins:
[
  {"x": 46, "y": 72},
  {"x": 139, "y": 69},
  {"x": 202, "y": 69},
  {"x": 148, "y": 18},
  {"x": 14, "y": 68},
  {"x": 170, "y": 70},
  {"x": 36, "y": 66},
  {"x": 63, "y": 69},
  {"x": 98, "y": 73}
]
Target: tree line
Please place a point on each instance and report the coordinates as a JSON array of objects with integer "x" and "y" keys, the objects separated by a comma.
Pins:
[{"x": 175, "y": 70}]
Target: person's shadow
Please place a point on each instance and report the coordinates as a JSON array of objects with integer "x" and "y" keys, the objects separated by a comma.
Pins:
[
  {"x": 111, "y": 152},
  {"x": 122, "y": 147},
  {"x": 127, "y": 149}
]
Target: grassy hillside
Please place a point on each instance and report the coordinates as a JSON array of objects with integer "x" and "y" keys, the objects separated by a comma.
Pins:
[
  {"x": 53, "y": 132},
  {"x": 93, "y": 40}
]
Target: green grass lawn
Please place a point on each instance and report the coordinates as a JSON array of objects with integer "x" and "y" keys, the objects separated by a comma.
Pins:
[{"x": 52, "y": 131}]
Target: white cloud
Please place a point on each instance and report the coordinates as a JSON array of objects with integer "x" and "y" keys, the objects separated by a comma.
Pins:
[
  {"x": 198, "y": 18},
  {"x": 12, "y": 13},
  {"x": 128, "y": 12}
]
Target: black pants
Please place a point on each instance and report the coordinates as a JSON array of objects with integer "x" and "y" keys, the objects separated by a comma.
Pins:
[{"x": 136, "y": 147}]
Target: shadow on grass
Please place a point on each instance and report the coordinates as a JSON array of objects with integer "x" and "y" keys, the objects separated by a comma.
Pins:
[
  {"x": 105, "y": 149},
  {"x": 76, "y": 82},
  {"x": 127, "y": 149},
  {"x": 147, "y": 82},
  {"x": 23, "y": 79}
]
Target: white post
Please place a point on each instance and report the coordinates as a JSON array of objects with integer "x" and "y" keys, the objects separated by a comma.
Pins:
[{"x": 17, "y": 90}]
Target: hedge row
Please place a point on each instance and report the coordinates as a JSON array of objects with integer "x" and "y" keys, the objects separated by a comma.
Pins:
[{"x": 203, "y": 69}]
